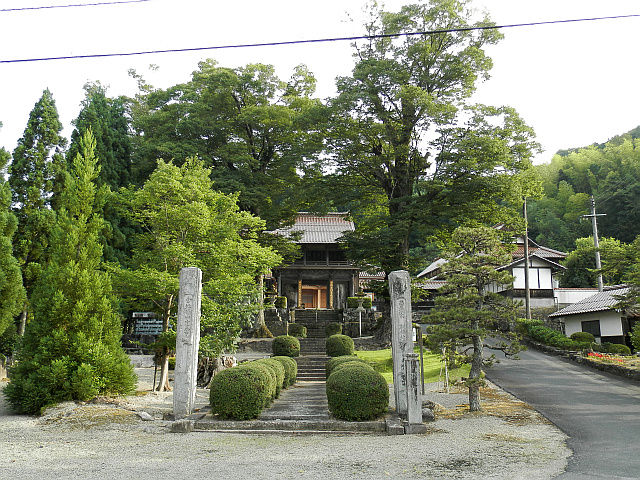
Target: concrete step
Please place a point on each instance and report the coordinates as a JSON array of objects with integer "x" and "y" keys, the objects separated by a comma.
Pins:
[{"x": 291, "y": 426}]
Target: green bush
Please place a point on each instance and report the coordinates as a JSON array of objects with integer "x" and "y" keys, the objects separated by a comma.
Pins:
[
  {"x": 290, "y": 369},
  {"x": 172, "y": 363},
  {"x": 357, "y": 392},
  {"x": 613, "y": 348},
  {"x": 278, "y": 371},
  {"x": 241, "y": 392},
  {"x": 335, "y": 361},
  {"x": 523, "y": 324},
  {"x": 351, "y": 363},
  {"x": 333, "y": 328},
  {"x": 553, "y": 338},
  {"x": 286, "y": 345},
  {"x": 352, "y": 302},
  {"x": 338, "y": 345},
  {"x": 281, "y": 302},
  {"x": 634, "y": 336},
  {"x": 297, "y": 330},
  {"x": 263, "y": 332},
  {"x": 583, "y": 337}
]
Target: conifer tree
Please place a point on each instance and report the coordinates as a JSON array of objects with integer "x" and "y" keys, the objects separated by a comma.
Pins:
[
  {"x": 11, "y": 290},
  {"x": 71, "y": 349},
  {"x": 468, "y": 310},
  {"x": 31, "y": 177}
]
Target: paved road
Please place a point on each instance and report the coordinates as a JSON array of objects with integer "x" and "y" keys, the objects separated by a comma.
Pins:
[{"x": 599, "y": 412}]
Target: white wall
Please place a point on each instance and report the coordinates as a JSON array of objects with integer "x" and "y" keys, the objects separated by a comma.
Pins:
[
  {"x": 539, "y": 277},
  {"x": 568, "y": 296},
  {"x": 610, "y": 322}
]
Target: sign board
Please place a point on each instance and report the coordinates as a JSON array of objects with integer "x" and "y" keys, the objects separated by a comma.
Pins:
[{"x": 147, "y": 324}]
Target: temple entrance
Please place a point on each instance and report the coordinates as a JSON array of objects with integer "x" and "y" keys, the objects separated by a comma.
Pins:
[{"x": 314, "y": 296}]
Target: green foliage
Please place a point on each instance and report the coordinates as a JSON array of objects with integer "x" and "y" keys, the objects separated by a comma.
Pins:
[
  {"x": 12, "y": 294},
  {"x": 37, "y": 162},
  {"x": 278, "y": 370},
  {"x": 333, "y": 362},
  {"x": 280, "y": 302},
  {"x": 297, "y": 330},
  {"x": 352, "y": 302},
  {"x": 357, "y": 392},
  {"x": 240, "y": 393},
  {"x": 286, "y": 345},
  {"x": 263, "y": 332},
  {"x": 612, "y": 348},
  {"x": 270, "y": 375},
  {"x": 634, "y": 335},
  {"x": 71, "y": 350},
  {"x": 554, "y": 338},
  {"x": 290, "y": 369},
  {"x": 581, "y": 264},
  {"x": 412, "y": 155},
  {"x": 582, "y": 337},
  {"x": 339, "y": 345},
  {"x": 333, "y": 328},
  {"x": 185, "y": 222},
  {"x": 8, "y": 340},
  {"x": 351, "y": 363},
  {"x": 255, "y": 131}
]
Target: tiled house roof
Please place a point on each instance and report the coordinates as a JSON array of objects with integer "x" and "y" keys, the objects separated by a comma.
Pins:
[
  {"x": 318, "y": 228},
  {"x": 595, "y": 303}
]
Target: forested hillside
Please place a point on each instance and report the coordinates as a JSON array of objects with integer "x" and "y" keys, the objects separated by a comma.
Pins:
[{"x": 610, "y": 172}]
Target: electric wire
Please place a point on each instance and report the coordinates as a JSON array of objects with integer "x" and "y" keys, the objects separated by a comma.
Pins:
[
  {"x": 75, "y": 5},
  {"x": 313, "y": 41}
]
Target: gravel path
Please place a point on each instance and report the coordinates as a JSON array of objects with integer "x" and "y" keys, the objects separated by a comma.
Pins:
[{"x": 110, "y": 441}]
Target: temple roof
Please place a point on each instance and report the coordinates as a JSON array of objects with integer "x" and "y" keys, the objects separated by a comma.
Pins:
[
  {"x": 314, "y": 228},
  {"x": 595, "y": 303}
]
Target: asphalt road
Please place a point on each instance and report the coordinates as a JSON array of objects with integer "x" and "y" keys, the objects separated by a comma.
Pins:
[{"x": 599, "y": 412}]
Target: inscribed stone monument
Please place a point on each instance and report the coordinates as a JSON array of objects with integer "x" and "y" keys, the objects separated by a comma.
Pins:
[{"x": 401, "y": 334}]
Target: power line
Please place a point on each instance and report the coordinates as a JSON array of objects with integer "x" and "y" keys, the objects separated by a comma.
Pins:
[
  {"x": 47, "y": 7},
  {"x": 317, "y": 40}
]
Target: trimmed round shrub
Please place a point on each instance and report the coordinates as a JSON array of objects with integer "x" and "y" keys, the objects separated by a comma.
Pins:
[
  {"x": 297, "y": 330},
  {"x": 269, "y": 374},
  {"x": 338, "y": 345},
  {"x": 352, "y": 302},
  {"x": 278, "y": 370},
  {"x": 583, "y": 337},
  {"x": 618, "y": 349},
  {"x": 290, "y": 369},
  {"x": 240, "y": 393},
  {"x": 335, "y": 361},
  {"x": 357, "y": 392},
  {"x": 342, "y": 365},
  {"x": 280, "y": 302},
  {"x": 333, "y": 328},
  {"x": 286, "y": 345}
]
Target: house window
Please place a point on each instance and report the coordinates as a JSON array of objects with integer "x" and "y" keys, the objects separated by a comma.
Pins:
[{"x": 592, "y": 327}]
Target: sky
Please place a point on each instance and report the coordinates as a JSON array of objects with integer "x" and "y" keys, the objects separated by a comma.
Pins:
[{"x": 574, "y": 83}]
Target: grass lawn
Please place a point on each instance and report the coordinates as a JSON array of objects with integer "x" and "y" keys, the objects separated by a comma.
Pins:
[{"x": 381, "y": 361}]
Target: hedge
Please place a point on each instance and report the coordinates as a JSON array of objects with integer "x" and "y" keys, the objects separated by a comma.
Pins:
[
  {"x": 335, "y": 361},
  {"x": 342, "y": 365},
  {"x": 278, "y": 370},
  {"x": 338, "y": 345},
  {"x": 297, "y": 330},
  {"x": 613, "y": 348},
  {"x": 290, "y": 369},
  {"x": 357, "y": 392},
  {"x": 280, "y": 302},
  {"x": 286, "y": 345},
  {"x": 241, "y": 392},
  {"x": 583, "y": 337},
  {"x": 333, "y": 328}
]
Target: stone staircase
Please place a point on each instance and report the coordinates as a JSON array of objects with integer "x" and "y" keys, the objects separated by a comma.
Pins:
[{"x": 311, "y": 368}]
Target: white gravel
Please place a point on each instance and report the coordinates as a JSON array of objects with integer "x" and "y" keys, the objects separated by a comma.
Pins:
[{"x": 112, "y": 442}]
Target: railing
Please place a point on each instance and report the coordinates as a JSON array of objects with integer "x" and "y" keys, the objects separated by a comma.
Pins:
[{"x": 325, "y": 263}]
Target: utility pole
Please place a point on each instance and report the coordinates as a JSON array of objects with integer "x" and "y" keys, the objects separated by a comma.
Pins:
[
  {"x": 527, "y": 291},
  {"x": 596, "y": 242}
]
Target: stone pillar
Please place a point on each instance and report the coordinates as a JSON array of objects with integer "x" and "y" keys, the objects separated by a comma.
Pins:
[
  {"x": 401, "y": 334},
  {"x": 187, "y": 341},
  {"x": 414, "y": 401}
]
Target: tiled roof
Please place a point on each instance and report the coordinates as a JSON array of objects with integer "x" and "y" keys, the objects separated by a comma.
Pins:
[
  {"x": 319, "y": 228},
  {"x": 542, "y": 252},
  {"x": 432, "y": 284},
  {"x": 595, "y": 303}
]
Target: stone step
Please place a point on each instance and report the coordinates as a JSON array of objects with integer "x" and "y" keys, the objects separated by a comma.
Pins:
[{"x": 289, "y": 426}]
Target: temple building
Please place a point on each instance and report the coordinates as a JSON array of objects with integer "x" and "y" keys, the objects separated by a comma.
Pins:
[{"x": 321, "y": 277}]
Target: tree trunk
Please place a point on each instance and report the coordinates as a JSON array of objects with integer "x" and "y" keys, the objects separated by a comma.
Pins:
[
  {"x": 23, "y": 320},
  {"x": 163, "y": 384},
  {"x": 383, "y": 334},
  {"x": 475, "y": 374}
]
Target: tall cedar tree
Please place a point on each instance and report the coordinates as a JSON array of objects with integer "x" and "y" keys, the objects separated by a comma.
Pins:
[
  {"x": 12, "y": 295},
  {"x": 36, "y": 160},
  {"x": 71, "y": 350},
  {"x": 106, "y": 118},
  {"x": 404, "y": 135},
  {"x": 466, "y": 310},
  {"x": 185, "y": 222}
]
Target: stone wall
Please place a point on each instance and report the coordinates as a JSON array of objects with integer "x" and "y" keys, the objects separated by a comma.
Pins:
[{"x": 351, "y": 322}]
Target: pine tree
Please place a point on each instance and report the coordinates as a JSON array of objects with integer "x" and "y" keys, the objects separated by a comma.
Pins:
[
  {"x": 31, "y": 177},
  {"x": 11, "y": 290},
  {"x": 71, "y": 349},
  {"x": 467, "y": 311}
]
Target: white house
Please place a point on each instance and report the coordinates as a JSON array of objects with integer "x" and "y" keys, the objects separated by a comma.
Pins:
[{"x": 598, "y": 315}]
